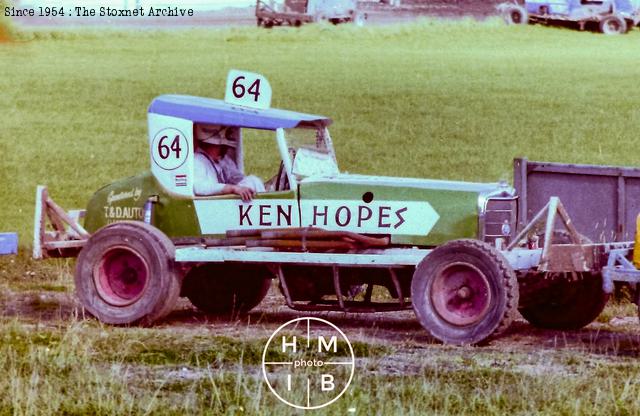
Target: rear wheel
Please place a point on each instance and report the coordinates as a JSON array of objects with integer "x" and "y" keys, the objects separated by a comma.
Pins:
[
  {"x": 515, "y": 15},
  {"x": 125, "y": 274},
  {"x": 613, "y": 25},
  {"x": 562, "y": 300},
  {"x": 226, "y": 289},
  {"x": 464, "y": 292}
]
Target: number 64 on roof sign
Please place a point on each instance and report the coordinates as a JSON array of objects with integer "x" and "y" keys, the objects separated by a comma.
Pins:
[{"x": 248, "y": 89}]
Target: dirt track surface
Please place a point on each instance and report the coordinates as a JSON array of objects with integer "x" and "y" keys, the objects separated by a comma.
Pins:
[
  {"x": 399, "y": 330},
  {"x": 378, "y": 14}
]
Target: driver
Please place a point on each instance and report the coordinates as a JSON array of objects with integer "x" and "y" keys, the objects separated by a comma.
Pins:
[{"x": 215, "y": 171}]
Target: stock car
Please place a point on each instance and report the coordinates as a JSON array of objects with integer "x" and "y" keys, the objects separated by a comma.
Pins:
[{"x": 328, "y": 237}]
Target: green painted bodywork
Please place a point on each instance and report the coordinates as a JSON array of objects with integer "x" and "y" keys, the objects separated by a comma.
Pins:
[
  {"x": 174, "y": 215},
  {"x": 455, "y": 202}
]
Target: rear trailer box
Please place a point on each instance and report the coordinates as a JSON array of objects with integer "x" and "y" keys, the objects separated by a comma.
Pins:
[{"x": 602, "y": 201}]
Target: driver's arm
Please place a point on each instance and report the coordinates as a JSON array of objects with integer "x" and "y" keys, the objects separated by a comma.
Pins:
[
  {"x": 205, "y": 178},
  {"x": 206, "y": 181},
  {"x": 245, "y": 193}
]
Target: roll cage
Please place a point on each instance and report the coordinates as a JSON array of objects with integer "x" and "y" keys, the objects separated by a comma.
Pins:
[{"x": 172, "y": 119}]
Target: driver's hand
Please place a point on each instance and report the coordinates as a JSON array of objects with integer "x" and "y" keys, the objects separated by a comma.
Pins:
[{"x": 245, "y": 193}]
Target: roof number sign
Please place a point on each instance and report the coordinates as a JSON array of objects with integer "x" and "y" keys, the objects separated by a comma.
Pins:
[
  {"x": 169, "y": 149},
  {"x": 248, "y": 89}
]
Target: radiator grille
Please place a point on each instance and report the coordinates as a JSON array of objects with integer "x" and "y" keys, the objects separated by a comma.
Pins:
[{"x": 499, "y": 214}]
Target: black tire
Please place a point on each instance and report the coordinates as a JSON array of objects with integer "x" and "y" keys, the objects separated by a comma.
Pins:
[
  {"x": 563, "y": 301},
  {"x": 226, "y": 289},
  {"x": 268, "y": 24},
  {"x": 464, "y": 292},
  {"x": 126, "y": 274},
  {"x": 259, "y": 22},
  {"x": 515, "y": 15},
  {"x": 568, "y": 305},
  {"x": 613, "y": 25}
]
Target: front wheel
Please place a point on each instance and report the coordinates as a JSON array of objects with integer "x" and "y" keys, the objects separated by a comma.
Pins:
[
  {"x": 613, "y": 25},
  {"x": 464, "y": 292},
  {"x": 126, "y": 274}
]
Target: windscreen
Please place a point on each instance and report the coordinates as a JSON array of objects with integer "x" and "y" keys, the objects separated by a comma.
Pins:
[{"x": 310, "y": 153}]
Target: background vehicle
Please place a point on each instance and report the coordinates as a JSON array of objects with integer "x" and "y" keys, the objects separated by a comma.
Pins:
[
  {"x": 609, "y": 16},
  {"x": 297, "y": 12}
]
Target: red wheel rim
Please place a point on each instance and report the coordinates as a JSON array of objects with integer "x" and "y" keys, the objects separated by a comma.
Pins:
[
  {"x": 613, "y": 26},
  {"x": 460, "y": 294},
  {"x": 121, "y": 276}
]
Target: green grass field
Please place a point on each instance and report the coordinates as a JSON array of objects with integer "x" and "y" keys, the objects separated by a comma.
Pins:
[{"x": 454, "y": 100}]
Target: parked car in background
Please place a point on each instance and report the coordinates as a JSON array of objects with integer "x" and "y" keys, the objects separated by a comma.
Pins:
[
  {"x": 610, "y": 17},
  {"x": 298, "y": 12}
]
